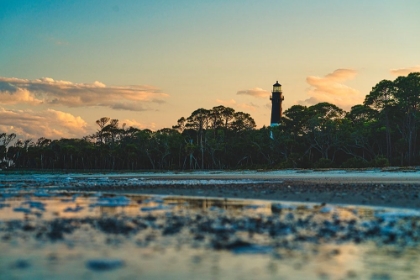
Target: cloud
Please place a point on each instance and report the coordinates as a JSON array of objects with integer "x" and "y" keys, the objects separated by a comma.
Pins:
[
  {"x": 255, "y": 92},
  {"x": 330, "y": 88},
  {"x": 127, "y": 107},
  {"x": 50, "y": 124},
  {"x": 17, "y": 95},
  {"x": 56, "y": 92},
  {"x": 236, "y": 105},
  {"x": 405, "y": 71}
]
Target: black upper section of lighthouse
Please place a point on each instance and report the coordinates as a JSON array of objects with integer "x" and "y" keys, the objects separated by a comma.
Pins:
[{"x": 276, "y": 99}]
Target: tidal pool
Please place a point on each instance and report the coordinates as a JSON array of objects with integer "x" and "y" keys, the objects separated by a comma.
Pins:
[{"x": 46, "y": 233}]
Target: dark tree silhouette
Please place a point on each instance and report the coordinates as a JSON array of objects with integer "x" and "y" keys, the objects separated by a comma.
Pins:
[{"x": 383, "y": 130}]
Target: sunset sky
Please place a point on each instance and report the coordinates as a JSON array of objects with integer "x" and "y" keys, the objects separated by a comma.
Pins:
[{"x": 65, "y": 64}]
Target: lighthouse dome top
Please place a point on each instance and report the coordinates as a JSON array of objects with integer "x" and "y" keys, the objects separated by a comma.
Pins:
[{"x": 277, "y": 87}]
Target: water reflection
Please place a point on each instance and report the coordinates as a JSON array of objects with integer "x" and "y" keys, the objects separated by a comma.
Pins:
[
  {"x": 60, "y": 235},
  {"x": 59, "y": 202}
]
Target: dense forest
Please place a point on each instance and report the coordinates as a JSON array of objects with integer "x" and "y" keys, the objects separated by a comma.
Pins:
[{"x": 380, "y": 132}]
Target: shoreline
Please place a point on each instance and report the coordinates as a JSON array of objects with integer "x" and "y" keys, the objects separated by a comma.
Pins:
[
  {"x": 365, "y": 194},
  {"x": 382, "y": 188},
  {"x": 373, "y": 187}
]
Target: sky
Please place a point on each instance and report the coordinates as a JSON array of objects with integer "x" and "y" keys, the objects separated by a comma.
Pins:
[{"x": 147, "y": 63}]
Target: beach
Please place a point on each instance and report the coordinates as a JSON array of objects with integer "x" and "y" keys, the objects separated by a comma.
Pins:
[
  {"x": 368, "y": 187},
  {"x": 292, "y": 224}
]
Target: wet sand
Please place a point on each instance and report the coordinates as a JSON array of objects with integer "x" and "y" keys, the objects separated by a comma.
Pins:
[
  {"x": 387, "y": 189},
  {"x": 51, "y": 228}
]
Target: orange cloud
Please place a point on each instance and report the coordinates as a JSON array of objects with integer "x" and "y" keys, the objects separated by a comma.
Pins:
[
  {"x": 17, "y": 96},
  {"x": 330, "y": 88},
  {"x": 405, "y": 71},
  {"x": 255, "y": 92},
  {"x": 55, "y": 92},
  {"x": 50, "y": 124}
]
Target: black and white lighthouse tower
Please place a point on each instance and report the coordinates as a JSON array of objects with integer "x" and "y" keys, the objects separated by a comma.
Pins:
[{"x": 276, "y": 100}]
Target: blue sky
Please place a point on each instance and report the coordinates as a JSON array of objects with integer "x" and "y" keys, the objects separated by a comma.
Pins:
[{"x": 148, "y": 63}]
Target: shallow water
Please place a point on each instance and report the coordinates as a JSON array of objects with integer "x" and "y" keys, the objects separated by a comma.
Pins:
[{"x": 50, "y": 233}]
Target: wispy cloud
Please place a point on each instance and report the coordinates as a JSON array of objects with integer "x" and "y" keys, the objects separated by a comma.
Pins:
[
  {"x": 56, "y": 92},
  {"x": 330, "y": 88},
  {"x": 405, "y": 71},
  {"x": 236, "y": 105},
  {"x": 50, "y": 124},
  {"x": 255, "y": 92}
]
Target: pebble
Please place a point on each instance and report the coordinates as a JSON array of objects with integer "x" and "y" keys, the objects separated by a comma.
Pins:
[
  {"x": 155, "y": 208},
  {"x": 326, "y": 209},
  {"x": 35, "y": 204},
  {"x": 112, "y": 201},
  {"x": 41, "y": 194},
  {"x": 73, "y": 210},
  {"x": 3, "y": 205},
  {"x": 21, "y": 264},
  {"x": 22, "y": 209},
  {"x": 104, "y": 264}
]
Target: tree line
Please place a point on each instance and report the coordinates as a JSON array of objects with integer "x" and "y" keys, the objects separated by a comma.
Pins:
[{"x": 382, "y": 131}]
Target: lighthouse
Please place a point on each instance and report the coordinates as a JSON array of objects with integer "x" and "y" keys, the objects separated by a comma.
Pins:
[{"x": 276, "y": 100}]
